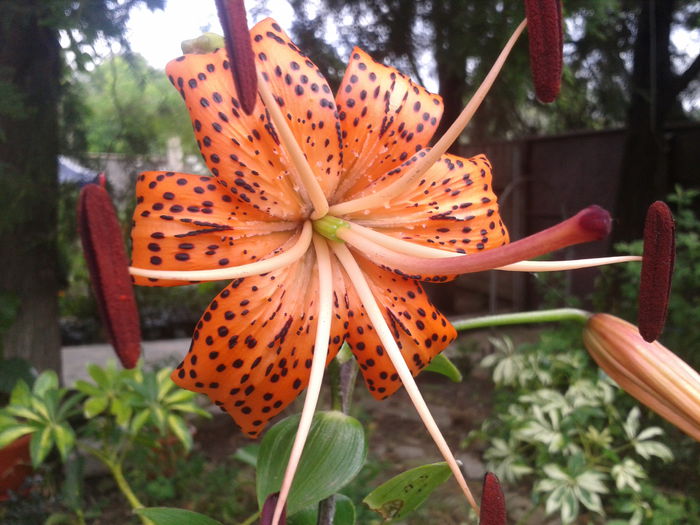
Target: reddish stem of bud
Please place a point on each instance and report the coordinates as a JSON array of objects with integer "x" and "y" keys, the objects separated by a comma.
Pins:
[
  {"x": 268, "y": 511},
  {"x": 240, "y": 51},
  {"x": 108, "y": 265},
  {"x": 544, "y": 22},
  {"x": 657, "y": 270},
  {"x": 493, "y": 503}
]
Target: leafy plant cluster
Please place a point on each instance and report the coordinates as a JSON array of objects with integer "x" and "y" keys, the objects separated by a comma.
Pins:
[
  {"x": 106, "y": 418},
  {"x": 566, "y": 430}
]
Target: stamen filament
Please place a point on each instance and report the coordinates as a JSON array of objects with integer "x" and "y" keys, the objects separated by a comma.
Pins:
[
  {"x": 384, "y": 333},
  {"x": 422, "y": 164},
  {"x": 577, "y": 264},
  {"x": 289, "y": 141},
  {"x": 318, "y": 365},
  {"x": 233, "y": 272},
  {"x": 592, "y": 223}
]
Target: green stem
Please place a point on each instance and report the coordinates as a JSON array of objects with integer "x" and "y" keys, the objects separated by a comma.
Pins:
[
  {"x": 251, "y": 519},
  {"x": 116, "y": 469},
  {"x": 334, "y": 381},
  {"x": 540, "y": 316}
]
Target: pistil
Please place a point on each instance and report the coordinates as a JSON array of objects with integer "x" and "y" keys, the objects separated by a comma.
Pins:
[{"x": 592, "y": 223}]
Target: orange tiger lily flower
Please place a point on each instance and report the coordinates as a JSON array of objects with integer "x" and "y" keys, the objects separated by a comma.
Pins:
[{"x": 325, "y": 212}]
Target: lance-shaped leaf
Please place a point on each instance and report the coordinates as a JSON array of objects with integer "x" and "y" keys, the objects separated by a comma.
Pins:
[
  {"x": 334, "y": 454},
  {"x": 406, "y": 492},
  {"x": 170, "y": 516}
]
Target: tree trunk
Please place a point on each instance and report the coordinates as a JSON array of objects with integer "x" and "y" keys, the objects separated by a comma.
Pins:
[
  {"x": 30, "y": 67},
  {"x": 644, "y": 176}
]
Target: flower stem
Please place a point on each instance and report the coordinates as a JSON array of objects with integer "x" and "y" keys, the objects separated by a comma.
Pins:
[
  {"x": 251, "y": 519},
  {"x": 541, "y": 316}
]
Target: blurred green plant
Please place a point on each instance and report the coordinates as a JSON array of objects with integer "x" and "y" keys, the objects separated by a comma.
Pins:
[
  {"x": 123, "y": 410},
  {"x": 565, "y": 429}
]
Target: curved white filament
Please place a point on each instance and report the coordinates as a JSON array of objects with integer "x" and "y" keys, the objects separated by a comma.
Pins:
[
  {"x": 422, "y": 164},
  {"x": 318, "y": 365},
  {"x": 233, "y": 272},
  {"x": 384, "y": 332},
  {"x": 289, "y": 141}
]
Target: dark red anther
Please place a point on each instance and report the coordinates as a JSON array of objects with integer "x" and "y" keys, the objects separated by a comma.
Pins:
[
  {"x": 545, "y": 31},
  {"x": 493, "y": 503},
  {"x": 657, "y": 270},
  {"x": 240, "y": 51},
  {"x": 104, "y": 251},
  {"x": 268, "y": 511}
]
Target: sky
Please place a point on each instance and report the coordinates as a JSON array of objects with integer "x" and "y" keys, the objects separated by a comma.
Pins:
[{"x": 156, "y": 35}]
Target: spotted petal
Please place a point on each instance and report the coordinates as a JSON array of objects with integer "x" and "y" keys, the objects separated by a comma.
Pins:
[
  {"x": 191, "y": 222},
  {"x": 240, "y": 149},
  {"x": 251, "y": 351},
  {"x": 385, "y": 119},
  {"x": 304, "y": 98},
  {"x": 420, "y": 330},
  {"x": 453, "y": 207}
]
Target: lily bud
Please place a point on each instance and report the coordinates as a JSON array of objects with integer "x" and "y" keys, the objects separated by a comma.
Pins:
[
  {"x": 647, "y": 371},
  {"x": 108, "y": 265},
  {"x": 493, "y": 503}
]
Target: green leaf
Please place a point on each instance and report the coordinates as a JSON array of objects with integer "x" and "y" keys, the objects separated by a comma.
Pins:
[
  {"x": 87, "y": 388},
  {"x": 99, "y": 375},
  {"x": 65, "y": 439},
  {"x": 95, "y": 406},
  {"x": 170, "y": 516},
  {"x": 179, "y": 428},
  {"x": 407, "y": 491},
  {"x": 442, "y": 365},
  {"x": 40, "y": 446},
  {"x": 23, "y": 412},
  {"x": 21, "y": 395},
  {"x": 248, "y": 454},
  {"x": 139, "y": 421},
  {"x": 47, "y": 380},
  {"x": 333, "y": 455},
  {"x": 344, "y": 513},
  {"x": 11, "y": 434},
  {"x": 121, "y": 410}
]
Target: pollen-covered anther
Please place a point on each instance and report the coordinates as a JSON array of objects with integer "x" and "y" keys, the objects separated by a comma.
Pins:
[
  {"x": 240, "y": 51},
  {"x": 493, "y": 503},
  {"x": 657, "y": 270},
  {"x": 108, "y": 265},
  {"x": 544, "y": 21}
]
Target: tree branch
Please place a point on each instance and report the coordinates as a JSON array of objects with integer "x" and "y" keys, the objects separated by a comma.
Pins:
[{"x": 681, "y": 82}]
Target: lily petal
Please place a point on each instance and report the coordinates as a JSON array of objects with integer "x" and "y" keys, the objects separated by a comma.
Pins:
[
  {"x": 252, "y": 349},
  {"x": 452, "y": 208},
  {"x": 240, "y": 149},
  {"x": 419, "y": 329},
  {"x": 385, "y": 118},
  {"x": 190, "y": 222},
  {"x": 304, "y": 97}
]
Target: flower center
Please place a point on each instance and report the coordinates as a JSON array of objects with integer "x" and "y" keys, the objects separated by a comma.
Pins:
[{"x": 328, "y": 227}]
